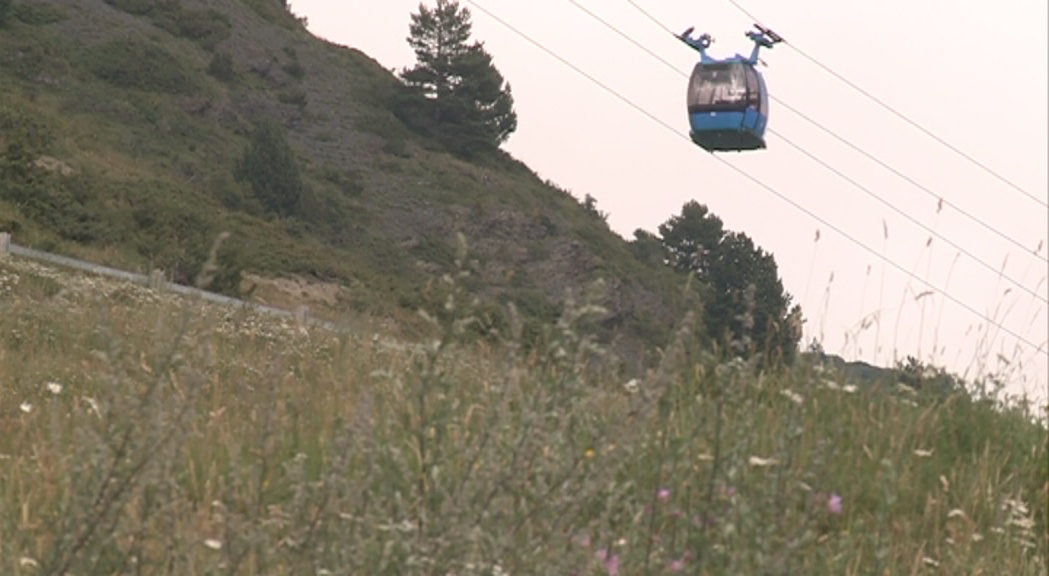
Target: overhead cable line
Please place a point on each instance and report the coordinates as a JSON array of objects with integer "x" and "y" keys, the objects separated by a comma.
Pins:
[
  {"x": 938, "y": 197},
  {"x": 752, "y": 178},
  {"x": 834, "y": 170},
  {"x": 890, "y": 109},
  {"x": 916, "y": 184},
  {"x": 870, "y": 193}
]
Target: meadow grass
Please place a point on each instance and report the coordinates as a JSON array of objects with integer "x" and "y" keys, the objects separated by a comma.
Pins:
[{"x": 143, "y": 433}]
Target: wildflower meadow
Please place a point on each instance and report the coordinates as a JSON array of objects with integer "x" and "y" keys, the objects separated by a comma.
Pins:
[{"x": 143, "y": 433}]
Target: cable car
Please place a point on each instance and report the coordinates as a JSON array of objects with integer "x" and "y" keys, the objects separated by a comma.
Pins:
[{"x": 728, "y": 102}]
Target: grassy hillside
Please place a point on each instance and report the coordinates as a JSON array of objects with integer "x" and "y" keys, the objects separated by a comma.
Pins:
[
  {"x": 144, "y": 434},
  {"x": 121, "y": 123}
]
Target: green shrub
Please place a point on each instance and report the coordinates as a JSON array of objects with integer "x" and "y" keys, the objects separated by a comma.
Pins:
[
  {"x": 389, "y": 128},
  {"x": 22, "y": 127},
  {"x": 275, "y": 12},
  {"x": 295, "y": 70},
  {"x": 293, "y": 97},
  {"x": 135, "y": 7},
  {"x": 134, "y": 64},
  {"x": 270, "y": 166},
  {"x": 221, "y": 67},
  {"x": 206, "y": 27},
  {"x": 54, "y": 204},
  {"x": 347, "y": 181},
  {"x": 34, "y": 14}
]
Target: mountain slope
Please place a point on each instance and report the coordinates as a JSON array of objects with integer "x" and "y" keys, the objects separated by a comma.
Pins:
[{"x": 132, "y": 114}]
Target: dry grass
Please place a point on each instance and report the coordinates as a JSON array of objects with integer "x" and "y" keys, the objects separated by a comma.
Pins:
[{"x": 140, "y": 433}]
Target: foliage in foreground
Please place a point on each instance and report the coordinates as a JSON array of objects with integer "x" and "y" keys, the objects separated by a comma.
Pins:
[{"x": 140, "y": 433}]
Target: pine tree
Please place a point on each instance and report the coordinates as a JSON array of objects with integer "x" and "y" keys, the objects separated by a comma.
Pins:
[
  {"x": 690, "y": 237},
  {"x": 456, "y": 94},
  {"x": 745, "y": 300},
  {"x": 439, "y": 38},
  {"x": 736, "y": 266}
]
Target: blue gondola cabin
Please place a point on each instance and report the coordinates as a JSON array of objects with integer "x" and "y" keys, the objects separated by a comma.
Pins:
[{"x": 727, "y": 99}]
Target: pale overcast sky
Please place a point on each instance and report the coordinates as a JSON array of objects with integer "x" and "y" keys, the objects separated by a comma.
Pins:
[{"x": 973, "y": 73}]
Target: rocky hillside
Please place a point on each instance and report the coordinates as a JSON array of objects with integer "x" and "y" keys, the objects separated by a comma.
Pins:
[{"x": 121, "y": 122}]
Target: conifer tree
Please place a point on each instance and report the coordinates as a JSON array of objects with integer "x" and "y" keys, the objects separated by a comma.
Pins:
[
  {"x": 456, "y": 94},
  {"x": 745, "y": 301},
  {"x": 270, "y": 166}
]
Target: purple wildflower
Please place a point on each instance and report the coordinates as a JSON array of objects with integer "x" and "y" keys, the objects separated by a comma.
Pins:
[
  {"x": 834, "y": 503},
  {"x": 611, "y": 561}
]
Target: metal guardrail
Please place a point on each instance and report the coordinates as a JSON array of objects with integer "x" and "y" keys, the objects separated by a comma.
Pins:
[
  {"x": 155, "y": 281},
  {"x": 64, "y": 261}
]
